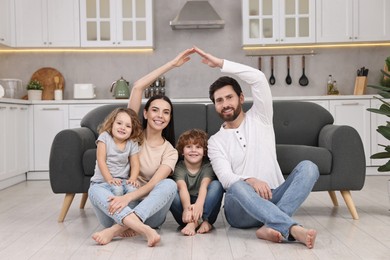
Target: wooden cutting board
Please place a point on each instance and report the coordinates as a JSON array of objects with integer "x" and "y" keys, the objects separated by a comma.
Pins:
[{"x": 46, "y": 77}]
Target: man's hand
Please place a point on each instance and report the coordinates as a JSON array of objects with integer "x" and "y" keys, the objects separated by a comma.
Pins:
[
  {"x": 209, "y": 59},
  {"x": 260, "y": 188}
]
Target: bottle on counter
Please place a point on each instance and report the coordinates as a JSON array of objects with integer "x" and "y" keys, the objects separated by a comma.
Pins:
[{"x": 330, "y": 86}]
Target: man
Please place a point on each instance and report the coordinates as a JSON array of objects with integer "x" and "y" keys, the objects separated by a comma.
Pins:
[{"x": 256, "y": 193}]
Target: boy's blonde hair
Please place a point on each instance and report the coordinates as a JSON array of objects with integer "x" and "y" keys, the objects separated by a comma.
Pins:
[
  {"x": 137, "y": 134},
  {"x": 193, "y": 136}
]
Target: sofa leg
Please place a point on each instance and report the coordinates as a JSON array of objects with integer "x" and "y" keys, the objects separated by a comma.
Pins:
[
  {"x": 351, "y": 206},
  {"x": 333, "y": 197},
  {"x": 65, "y": 206},
  {"x": 83, "y": 200}
]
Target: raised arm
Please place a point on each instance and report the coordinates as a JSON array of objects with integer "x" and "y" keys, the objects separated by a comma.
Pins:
[
  {"x": 144, "y": 82},
  {"x": 209, "y": 59}
]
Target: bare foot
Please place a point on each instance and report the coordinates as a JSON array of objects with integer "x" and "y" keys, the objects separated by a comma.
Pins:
[
  {"x": 189, "y": 229},
  {"x": 205, "y": 227},
  {"x": 269, "y": 234},
  {"x": 303, "y": 235},
  {"x": 104, "y": 237},
  {"x": 133, "y": 222},
  {"x": 128, "y": 233}
]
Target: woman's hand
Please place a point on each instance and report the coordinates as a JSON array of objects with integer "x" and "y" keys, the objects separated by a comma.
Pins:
[
  {"x": 117, "y": 204},
  {"x": 182, "y": 57},
  {"x": 209, "y": 59}
]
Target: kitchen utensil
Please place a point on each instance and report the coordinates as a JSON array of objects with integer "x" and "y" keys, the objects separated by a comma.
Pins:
[
  {"x": 46, "y": 77},
  {"x": 12, "y": 87},
  {"x": 121, "y": 88},
  {"x": 56, "y": 81},
  {"x": 303, "y": 80},
  {"x": 288, "y": 78},
  {"x": 272, "y": 78},
  {"x": 259, "y": 63}
]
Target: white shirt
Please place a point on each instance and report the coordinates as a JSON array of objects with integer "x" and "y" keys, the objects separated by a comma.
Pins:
[{"x": 249, "y": 150}]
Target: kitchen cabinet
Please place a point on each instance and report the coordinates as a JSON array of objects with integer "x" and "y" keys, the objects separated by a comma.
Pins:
[
  {"x": 47, "y": 23},
  {"x": 48, "y": 121},
  {"x": 77, "y": 112},
  {"x": 116, "y": 23},
  {"x": 354, "y": 113},
  {"x": 7, "y": 22},
  {"x": 278, "y": 21},
  {"x": 353, "y": 20},
  {"x": 13, "y": 140}
]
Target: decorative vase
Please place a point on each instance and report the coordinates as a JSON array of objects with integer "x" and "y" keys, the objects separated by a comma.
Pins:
[{"x": 34, "y": 94}]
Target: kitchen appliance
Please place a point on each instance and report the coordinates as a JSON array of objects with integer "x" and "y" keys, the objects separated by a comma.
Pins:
[
  {"x": 120, "y": 88},
  {"x": 84, "y": 91},
  {"x": 12, "y": 87}
]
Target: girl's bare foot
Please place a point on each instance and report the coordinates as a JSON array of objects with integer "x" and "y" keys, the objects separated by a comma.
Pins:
[
  {"x": 303, "y": 235},
  {"x": 128, "y": 233},
  {"x": 133, "y": 222},
  {"x": 189, "y": 229},
  {"x": 106, "y": 235},
  {"x": 205, "y": 227},
  {"x": 269, "y": 234}
]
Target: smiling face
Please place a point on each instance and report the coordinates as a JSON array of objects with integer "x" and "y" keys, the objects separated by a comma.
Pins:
[
  {"x": 193, "y": 153},
  {"x": 158, "y": 114},
  {"x": 227, "y": 103},
  {"x": 121, "y": 127}
]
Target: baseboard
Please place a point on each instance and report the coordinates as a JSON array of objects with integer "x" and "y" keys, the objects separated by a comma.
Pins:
[
  {"x": 35, "y": 176},
  {"x": 373, "y": 170},
  {"x": 12, "y": 181}
]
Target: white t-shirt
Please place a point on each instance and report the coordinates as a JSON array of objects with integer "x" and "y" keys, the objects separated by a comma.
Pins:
[{"x": 250, "y": 150}]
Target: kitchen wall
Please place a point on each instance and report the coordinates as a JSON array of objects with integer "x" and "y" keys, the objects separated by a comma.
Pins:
[{"x": 192, "y": 80}]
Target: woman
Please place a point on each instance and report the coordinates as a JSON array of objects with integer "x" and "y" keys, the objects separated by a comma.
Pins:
[{"x": 143, "y": 209}]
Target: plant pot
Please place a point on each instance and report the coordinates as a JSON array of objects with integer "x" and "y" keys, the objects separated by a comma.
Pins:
[{"x": 34, "y": 94}]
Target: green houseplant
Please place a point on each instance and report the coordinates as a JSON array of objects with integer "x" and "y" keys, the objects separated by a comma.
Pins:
[
  {"x": 384, "y": 109},
  {"x": 34, "y": 90}
]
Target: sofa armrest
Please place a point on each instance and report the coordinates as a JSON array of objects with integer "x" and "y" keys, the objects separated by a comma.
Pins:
[
  {"x": 348, "y": 158},
  {"x": 66, "y": 160}
]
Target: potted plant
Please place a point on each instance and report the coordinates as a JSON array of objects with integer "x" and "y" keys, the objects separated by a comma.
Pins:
[
  {"x": 384, "y": 109},
  {"x": 34, "y": 90}
]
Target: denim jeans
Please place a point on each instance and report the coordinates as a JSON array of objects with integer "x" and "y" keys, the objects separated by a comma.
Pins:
[
  {"x": 152, "y": 209},
  {"x": 121, "y": 189},
  {"x": 211, "y": 208},
  {"x": 244, "y": 208}
]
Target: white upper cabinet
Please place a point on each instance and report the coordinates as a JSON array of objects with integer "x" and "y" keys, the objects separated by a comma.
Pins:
[
  {"x": 47, "y": 23},
  {"x": 278, "y": 21},
  {"x": 116, "y": 23},
  {"x": 7, "y": 22},
  {"x": 353, "y": 20}
]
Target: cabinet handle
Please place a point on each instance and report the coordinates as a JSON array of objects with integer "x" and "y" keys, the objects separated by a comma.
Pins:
[
  {"x": 50, "y": 108},
  {"x": 3, "y": 107},
  {"x": 350, "y": 104},
  {"x": 23, "y": 108},
  {"x": 13, "y": 108}
]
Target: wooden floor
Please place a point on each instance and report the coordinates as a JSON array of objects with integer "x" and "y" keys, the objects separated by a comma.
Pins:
[{"x": 29, "y": 230}]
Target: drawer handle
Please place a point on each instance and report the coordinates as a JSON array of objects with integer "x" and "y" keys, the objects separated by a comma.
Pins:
[
  {"x": 350, "y": 104},
  {"x": 51, "y": 108}
]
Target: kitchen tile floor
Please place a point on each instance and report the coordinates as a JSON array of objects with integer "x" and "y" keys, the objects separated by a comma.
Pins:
[{"x": 29, "y": 230}]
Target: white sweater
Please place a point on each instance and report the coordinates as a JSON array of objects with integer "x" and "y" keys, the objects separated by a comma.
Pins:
[{"x": 249, "y": 150}]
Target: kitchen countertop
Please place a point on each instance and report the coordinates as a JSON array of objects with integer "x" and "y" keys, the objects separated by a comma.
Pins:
[{"x": 200, "y": 100}]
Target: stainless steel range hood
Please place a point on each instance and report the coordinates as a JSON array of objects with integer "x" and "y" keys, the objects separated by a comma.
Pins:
[{"x": 197, "y": 15}]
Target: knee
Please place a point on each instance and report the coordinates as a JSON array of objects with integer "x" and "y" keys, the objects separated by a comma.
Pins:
[{"x": 310, "y": 169}]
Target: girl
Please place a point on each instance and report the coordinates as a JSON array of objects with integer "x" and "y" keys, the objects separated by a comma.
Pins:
[
  {"x": 142, "y": 209},
  {"x": 117, "y": 151},
  {"x": 199, "y": 191}
]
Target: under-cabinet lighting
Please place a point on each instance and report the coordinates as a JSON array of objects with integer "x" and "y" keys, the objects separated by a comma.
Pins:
[
  {"x": 55, "y": 50},
  {"x": 253, "y": 48}
]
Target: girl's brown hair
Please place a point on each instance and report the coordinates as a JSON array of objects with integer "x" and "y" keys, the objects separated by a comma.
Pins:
[
  {"x": 193, "y": 136},
  {"x": 137, "y": 134}
]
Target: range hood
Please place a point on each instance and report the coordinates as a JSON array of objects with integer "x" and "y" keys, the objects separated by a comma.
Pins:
[{"x": 197, "y": 15}]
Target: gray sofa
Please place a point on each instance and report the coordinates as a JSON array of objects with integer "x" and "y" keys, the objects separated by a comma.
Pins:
[{"x": 303, "y": 130}]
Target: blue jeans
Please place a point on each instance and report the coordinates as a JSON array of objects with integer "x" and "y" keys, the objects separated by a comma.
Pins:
[
  {"x": 211, "y": 208},
  {"x": 152, "y": 209},
  {"x": 244, "y": 208}
]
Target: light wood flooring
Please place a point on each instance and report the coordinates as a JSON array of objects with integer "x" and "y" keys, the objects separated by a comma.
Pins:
[{"x": 29, "y": 230}]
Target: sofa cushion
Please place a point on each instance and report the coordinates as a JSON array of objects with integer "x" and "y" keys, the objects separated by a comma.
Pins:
[
  {"x": 290, "y": 155},
  {"x": 89, "y": 162}
]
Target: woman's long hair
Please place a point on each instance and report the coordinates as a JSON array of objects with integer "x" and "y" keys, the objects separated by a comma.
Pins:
[{"x": 168, "y": 132}]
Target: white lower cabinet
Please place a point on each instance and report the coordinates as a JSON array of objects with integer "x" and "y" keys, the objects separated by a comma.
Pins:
[
  {"x": 77, "y": 112},
  {"x": 48, "y": 121},
  {"x": 14, "y": 127},
  {"x": 353, "y": 112}
]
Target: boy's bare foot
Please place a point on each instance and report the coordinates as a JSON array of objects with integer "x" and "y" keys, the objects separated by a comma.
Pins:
[
  {"x": 205, "y": 227},
  {"x": 128, "y": 233},
  {"x": 303, "y": 235},
  {"x": 189, "y": 229},
  {"x": 269, "y": 234},
  {"x": 133, "y": 222}
]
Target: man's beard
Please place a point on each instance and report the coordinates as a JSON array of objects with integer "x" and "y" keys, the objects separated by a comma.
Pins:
[{"x": 231, "y": 117}]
